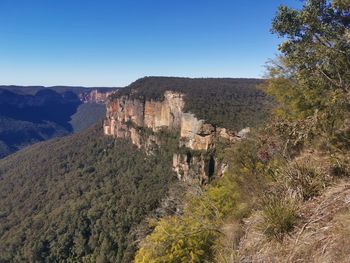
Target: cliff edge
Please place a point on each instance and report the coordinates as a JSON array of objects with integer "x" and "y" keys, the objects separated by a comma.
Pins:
[{"x": 129, "y": 118}]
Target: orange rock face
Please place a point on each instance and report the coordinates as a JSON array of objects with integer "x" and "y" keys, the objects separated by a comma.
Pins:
[
  {"x": 195, "y": 134},
  {"x": 127, "y": 117},
  {"x": 166, "y": 113}
]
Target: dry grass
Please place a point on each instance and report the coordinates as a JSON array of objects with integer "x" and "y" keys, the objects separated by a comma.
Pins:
[
  {"x": 304, "y": 179},
  {"x": 323, "y": 234},
  {"x": 228, "y": 243},
  {"x": 309, "y": 221}
]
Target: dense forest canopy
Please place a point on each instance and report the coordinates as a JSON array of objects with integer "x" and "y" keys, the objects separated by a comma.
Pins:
[
  {"x": 312, "y": 72},
  {"x": 225, "y": 102},
  {"x": 80, "y": 198}
]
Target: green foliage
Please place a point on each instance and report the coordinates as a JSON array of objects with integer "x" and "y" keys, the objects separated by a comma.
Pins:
[
  {"x": 312, "y": 75},
  {"x": 81, "y": 198},
  {"x": 86, "y": 197},
  {"x": 177, "y": 240},
  {"x": 190, "y": 237}
]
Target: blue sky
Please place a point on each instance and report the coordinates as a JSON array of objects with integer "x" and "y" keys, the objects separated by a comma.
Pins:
[{"x": 114, "y": 42}]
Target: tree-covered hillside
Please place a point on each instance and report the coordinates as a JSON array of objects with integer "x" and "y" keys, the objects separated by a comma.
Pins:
[
  {"x": 80, "y": 198},
  {"x": 229, "y": 103},
  {"x": 284, "y": 195}
]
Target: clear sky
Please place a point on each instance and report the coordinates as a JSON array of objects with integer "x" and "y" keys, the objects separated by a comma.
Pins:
[{"x": 114, "y": 42}]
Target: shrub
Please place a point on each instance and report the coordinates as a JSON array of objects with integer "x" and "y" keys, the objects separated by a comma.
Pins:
[
  {"x": 177, "y": 239},
  {"x": 309, "y": 180},
  {"x": 279, "y": 216}
]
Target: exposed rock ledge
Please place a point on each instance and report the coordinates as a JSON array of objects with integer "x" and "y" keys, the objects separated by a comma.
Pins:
[{"x": 126, "y": 115}]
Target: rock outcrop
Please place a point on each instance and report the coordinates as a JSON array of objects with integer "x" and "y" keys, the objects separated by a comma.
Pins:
[
  {"x": 139, "y": 120},
  {"x": 151, "y": 114},
  {"x": 190, "y": 168}
]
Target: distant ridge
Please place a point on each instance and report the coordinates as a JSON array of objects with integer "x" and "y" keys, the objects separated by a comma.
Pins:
[
  {"x": 35, "y": 113},
  {"x": 33, "y": 89}
]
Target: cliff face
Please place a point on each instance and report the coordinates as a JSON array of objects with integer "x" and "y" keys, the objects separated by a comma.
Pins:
[
  {"x": 128, "y": 118},
  {"x": 148, "y": 114},
  {"x": 125, "y": 115}
]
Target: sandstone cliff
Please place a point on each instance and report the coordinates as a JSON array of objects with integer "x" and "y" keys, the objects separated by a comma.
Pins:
[{"x": 140, "y": 120}]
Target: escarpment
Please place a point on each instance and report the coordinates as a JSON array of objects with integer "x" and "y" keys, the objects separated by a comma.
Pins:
[
  {"x": 124, "y": 112},
  {"x": 141, "y": 121}
]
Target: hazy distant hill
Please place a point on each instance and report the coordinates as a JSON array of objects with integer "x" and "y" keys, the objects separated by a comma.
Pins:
[
  {"x": 87, "y": 114},
  {"x": 32, "y": 90},
  {"x": 32, "y": 114}
]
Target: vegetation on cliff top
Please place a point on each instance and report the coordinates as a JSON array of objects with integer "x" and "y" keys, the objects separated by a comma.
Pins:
[{"x": 229, "y": 103}]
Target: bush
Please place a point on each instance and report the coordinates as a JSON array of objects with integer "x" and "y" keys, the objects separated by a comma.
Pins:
[{"x": 178, "y": 239}]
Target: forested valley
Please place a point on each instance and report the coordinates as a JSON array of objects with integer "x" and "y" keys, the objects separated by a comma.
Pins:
[{"x": 284, "y": 196}]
